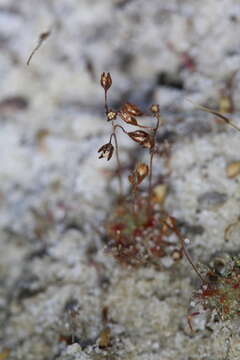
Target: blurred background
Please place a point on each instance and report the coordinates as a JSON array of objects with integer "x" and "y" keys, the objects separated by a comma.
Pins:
[{"x": 51, "y": 125}]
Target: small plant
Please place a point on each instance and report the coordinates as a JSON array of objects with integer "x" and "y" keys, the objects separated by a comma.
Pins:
[
  {"x": 220, "y": 284},
  {"x": 139, "y": 231},
  {"x": 220, "y": 290}
]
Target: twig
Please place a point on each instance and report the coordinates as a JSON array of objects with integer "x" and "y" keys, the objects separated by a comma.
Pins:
[
  {"x": 42, "y": 37},
  {"x": 221, "y": 116}
]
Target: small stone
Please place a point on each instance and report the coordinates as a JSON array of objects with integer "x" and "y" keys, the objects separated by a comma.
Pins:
[
  {"x": 212, "y": 199},
  {"x": 73, "y": 349},
  {"x": 233, "y": 169}
]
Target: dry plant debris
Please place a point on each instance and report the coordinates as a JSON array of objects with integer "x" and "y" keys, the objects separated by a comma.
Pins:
[{"x": 42, "y": 38}]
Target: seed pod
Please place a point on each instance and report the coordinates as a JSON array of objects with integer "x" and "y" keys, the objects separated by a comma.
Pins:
[
  {"x": 111, "y": 115},
  {"x": 155, "y": 109},
  {"x": 131, "y": 109},
  {"x": 106, "y": 81},
  {"x": 142, "y": 170},
  {"x": 125, "y": 116},
  {"x": 106, "y": 151},
  {"x": 142, "y": 138}
]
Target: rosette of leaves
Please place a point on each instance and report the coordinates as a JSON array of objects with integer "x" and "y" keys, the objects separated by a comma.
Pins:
[{"x": 220, "y": 290}]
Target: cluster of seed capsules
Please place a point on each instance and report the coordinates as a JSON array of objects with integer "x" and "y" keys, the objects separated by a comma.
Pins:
[{"x": 138, "y": 232}]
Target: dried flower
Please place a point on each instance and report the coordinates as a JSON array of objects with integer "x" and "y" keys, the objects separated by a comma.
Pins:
[
  {"x": 106, "y": 81},
  {"x": 128, "y": 118},
  {"x": 131, "y": 109},
  {"x": 155, "y": 108},
  {"x": 111, "y": 115},
  {"x": 140, "y": 172},
  {"x": 106, "y": 151},
  {"x": 142, "y": 138}
]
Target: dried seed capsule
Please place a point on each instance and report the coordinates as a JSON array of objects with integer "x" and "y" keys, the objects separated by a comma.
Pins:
[
  {"x": 111, "y": 115},
  {"x": 106, "y": 151},
  {"x": 149, "y": 143},
  {"x": 142, "y": 170},
  {"x": 142, "y": 138},
  {"x": 128, "y": 118},
  {"x": 131, "y": 109},
  {"x": 106, "y": 80},
  {"x": 155, "y": 108},
  {"x": 138, "y": 174}
]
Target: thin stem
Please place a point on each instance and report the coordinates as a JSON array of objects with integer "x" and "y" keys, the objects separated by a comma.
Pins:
[
  {"x": 150, "y": 179},
  {"x": 188, "y": 257},
  {"x": 113, "y": 135},
  {"x": 118, "y": 161},
  {"x": 218, "y": 114},
  {"x": 135, "y": 195},
  {"x": 114, "y": 130},
  {"x": 151, "y": 163},
  {"x": 183, "y": 249},
  {"x": 106, "y": 102}
]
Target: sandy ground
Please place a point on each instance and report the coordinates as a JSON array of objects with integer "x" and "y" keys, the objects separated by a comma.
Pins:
[{"x": 56, "y": 280}]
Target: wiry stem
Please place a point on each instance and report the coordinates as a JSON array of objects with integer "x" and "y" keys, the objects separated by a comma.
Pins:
[
  {"x": 150, "y": 179},
  {"x": 183, "y": 248},
  {"x": 119, "y": 126},
  {"x": 118, "y": 161},
  {"x": 188, "y": 257},
  {"x": 151, "y": 163},
  {"x": 106, "y": 102},
  {"x": 216, "y": 113},
  {"x": 113, "y": 135}
]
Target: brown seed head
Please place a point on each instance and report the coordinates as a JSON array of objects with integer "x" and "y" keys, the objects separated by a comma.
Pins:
[
  {"x": 125, "y": 116},
  {"x": 111, "y": 115},
  {"x": 106, "y": 151},
  {"x": 131, "y": 109},
  {"x": 106, "y": 81},
  {"x": 142, "y": 138},
  {"x": 142, "y": 170},
  {"x": 155, "y": 109}
]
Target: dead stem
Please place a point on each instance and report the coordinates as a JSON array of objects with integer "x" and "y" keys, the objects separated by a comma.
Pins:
[
  {"x": 183, "y": 248},
  {"x": 118, "y": 162},
  {"x": 105, "y": 102},
  {"x": 216, "y": 113},
  {"x": 152, "y": 151},
  {"x": 42, "y": 37}
]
